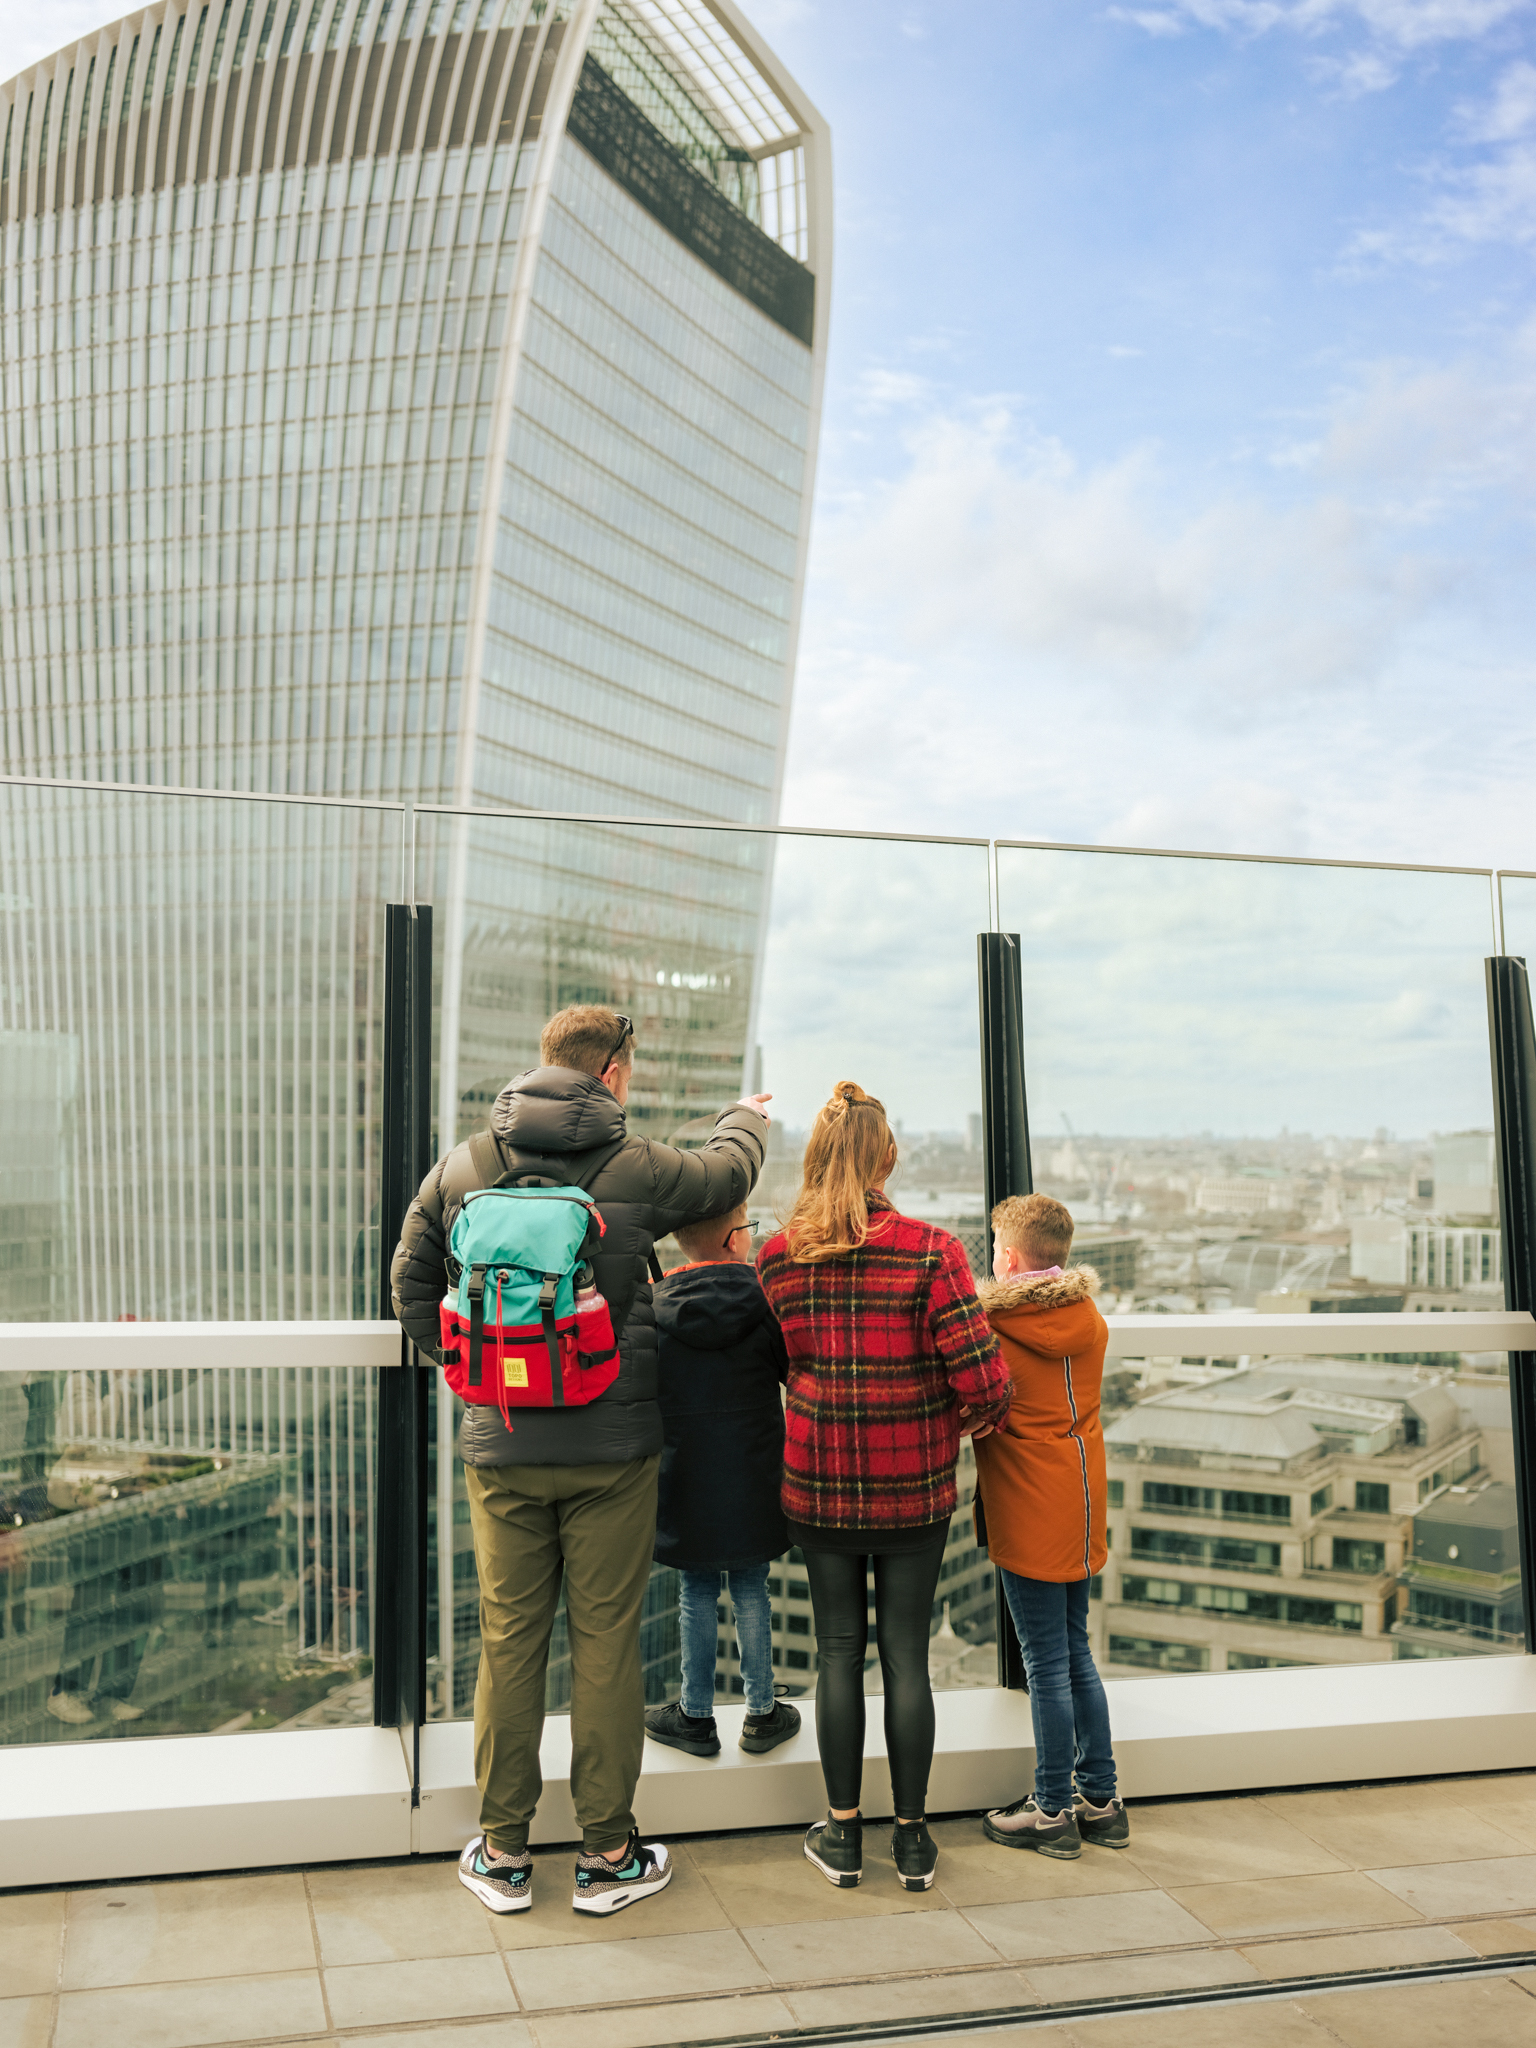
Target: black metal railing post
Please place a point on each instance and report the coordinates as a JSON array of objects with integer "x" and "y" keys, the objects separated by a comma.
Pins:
[
  {"x": 1512, "y": 1046},
  {"x": 1005, "y": 1157},
  {"x": 400, "y": 1539}
]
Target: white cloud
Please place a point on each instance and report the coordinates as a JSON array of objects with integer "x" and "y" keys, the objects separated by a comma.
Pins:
[
  {"x": 881, "y": 390},
  {"x": 1511, "y": 113},
  {"x": 1492, "y": 200},
  {"x": 1003, "y": 639},
  {"x": 1404, "y": 24}
]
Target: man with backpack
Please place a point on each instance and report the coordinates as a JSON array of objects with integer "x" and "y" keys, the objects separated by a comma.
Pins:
[{"x": 564, "y": 1492}]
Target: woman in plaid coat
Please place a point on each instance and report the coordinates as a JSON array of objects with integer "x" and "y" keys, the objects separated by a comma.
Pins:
[{"x": 891, "y": 1360}]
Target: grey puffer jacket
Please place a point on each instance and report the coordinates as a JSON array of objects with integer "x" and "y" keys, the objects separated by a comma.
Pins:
[{"x": 556, "y": 1121}]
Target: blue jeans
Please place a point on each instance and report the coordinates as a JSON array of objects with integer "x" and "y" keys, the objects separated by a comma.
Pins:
[
  {"x": 1066, "y": 1697},
  {"x": 749, "y": 1599}
]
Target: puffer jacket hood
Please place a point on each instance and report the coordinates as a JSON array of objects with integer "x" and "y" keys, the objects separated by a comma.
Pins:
[
  {"x": 566, "y": 1127},
  {"x": 1053, "y": 1313},
  {"x": 711, "y": 1307},
  {"x": 557, "y": 1110}
]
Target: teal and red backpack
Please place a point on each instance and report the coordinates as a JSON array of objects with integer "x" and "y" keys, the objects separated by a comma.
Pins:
[{"x": 523, "y": 1324}]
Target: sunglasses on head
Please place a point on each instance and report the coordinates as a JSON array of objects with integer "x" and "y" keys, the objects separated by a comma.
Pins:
[{"x": 626, "y": 1032}]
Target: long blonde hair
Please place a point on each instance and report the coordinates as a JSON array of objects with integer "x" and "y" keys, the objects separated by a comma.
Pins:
[{"x": 850, "y": 1149}]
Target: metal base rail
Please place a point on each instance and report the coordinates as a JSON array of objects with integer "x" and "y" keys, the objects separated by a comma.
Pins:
[{"x": 1268, "y": 1990}]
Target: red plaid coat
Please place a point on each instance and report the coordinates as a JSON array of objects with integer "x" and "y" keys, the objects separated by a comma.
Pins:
[{"x": 884, "y": 1345}]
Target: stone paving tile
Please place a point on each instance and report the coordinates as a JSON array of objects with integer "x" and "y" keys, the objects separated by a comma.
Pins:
[
  {"x": 801, "y": 1952},
  {"x": 1457, "y": 1891},
  {"x": 25, "y": 2022},
  {"x": 431, "y": 1988},
  {"x": 909, "y": 1998},
  {"x": 1124, "y": 1976},
  {"x": 1487, "y": 2012},
  {"x": 645, "y": 2027},
  {"x": 1514, "y": 1816},
  {"x": 1081, "y": 1927},
  {"x": 391, "y": 1913},
  {"x": 196, "y": 1927},
  {"x": 687, "y": 1906},
  {"x": 975, "y": 1872},
  {"x": 1293, "y": 1905},
  {"x": 1384, "y": 1949},
  {"x": 1496, "y": 1937},
  {"x": 503, "y": 2033},
  {"x": 1367, "y": 1832},
  {"x": 196, "y": 2014},
  {"x": 653, "y": 1967},
  {"x": 1220, "y": 1841},
  {"x": 31, "y": 1941}
]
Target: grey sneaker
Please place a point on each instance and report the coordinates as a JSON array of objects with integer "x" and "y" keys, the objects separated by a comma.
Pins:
[
  {"x": 504, "y": 1883},
  {"x": 836, "y": 1847},
  {"x": 915, "y": 1854},
  {"x": 606, "y": 1887},
  {"x": 694, "y": 1733},
  {"x": 1024, "y": 1826},
  {"x": 1106, "y": 1825},
  {"x": 762, "y": 1732}
]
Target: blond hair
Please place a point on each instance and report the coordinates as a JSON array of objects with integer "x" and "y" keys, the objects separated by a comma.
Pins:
[
  {"x": 849, "y": 1151},
  {"x": 705, "y": 1238},
  {"x": 1035, "y": 1226},
  {"x": 584, "y": 1037}
]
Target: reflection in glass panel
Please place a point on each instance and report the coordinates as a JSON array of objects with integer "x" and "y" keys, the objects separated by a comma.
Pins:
[
  {"x": 1265, "y": 1088},
  {"x": 184, "y": 1552},
  {"x": 746, "y": 960},
  {"x": 190, "y": 1046}
]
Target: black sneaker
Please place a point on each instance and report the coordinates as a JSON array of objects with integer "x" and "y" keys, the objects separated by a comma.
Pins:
[
  {"x": 505, "y": 1884},
  {"x": 1024, "y": 1826},
  {"x": 836, "y": 1847},
  {"x": 669, "y": 1724},
  {"x": 1106, "y": 1825},
  {"x": 606, "y": 1887},
  {"x": 915, "y": 1853},
  {"x": 762, "y": 1732}
]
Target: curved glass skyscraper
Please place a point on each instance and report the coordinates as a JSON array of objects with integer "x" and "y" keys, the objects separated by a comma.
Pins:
[{"x": 400, "y": 401}]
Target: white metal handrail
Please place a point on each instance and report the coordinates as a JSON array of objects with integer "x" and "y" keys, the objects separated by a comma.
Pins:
[
  {"x": 1318, "y": 1336},
  {"x": 97, "y": 1347}
]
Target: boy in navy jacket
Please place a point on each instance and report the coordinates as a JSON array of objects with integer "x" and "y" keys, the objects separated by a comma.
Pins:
[{"x": 722, "y": 1365}]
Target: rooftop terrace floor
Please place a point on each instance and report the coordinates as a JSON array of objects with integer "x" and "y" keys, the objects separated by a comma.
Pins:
[{"x": 1267, "y": 1889}]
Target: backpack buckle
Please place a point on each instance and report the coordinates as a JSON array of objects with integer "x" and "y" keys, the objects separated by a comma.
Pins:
[{"x": 476, "y": 1320}]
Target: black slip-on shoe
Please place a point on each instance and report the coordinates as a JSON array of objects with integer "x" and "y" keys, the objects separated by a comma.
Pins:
[
  {"x": 1105, "y": 1825},
  {"x": 669, "y": 1724},
  {"x": 915, "y": 1854},
  {"x": 836, "y": 1847},
  {"x": 762, "y": 1732},
  {"x": 505, "y": 1886},
  {"x": 644, "y": 1869}
]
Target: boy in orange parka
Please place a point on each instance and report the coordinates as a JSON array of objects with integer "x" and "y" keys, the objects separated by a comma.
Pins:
[{"x": 1040, "y": 1477}]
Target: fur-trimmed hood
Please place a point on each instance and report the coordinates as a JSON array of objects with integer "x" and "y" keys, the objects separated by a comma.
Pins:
[{"x": 1044, "y": 1290}]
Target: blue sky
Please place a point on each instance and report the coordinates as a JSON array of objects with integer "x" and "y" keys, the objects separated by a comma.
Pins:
[{"x": 1176, "y": 473}]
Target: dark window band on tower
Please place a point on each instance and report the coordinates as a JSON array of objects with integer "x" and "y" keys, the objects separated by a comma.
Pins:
[{"x": 635, "y": 153}]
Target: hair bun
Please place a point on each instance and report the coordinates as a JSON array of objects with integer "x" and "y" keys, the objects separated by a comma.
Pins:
[{"x": 846, "y": 1092}]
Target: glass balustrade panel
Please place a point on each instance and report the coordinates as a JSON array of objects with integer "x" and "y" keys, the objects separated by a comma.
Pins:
[
  {"x": 190, "y": 1062},
  {"x": 1263, "y": 1088}
]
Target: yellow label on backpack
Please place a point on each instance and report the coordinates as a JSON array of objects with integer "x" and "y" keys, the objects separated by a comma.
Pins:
[{"x": 515, "y": 1371}]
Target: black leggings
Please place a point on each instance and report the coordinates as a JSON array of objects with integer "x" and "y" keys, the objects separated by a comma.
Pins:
[{"x": 904, "y": 1590}]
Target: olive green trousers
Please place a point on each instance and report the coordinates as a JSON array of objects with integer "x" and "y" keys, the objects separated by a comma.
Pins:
[{"x": 536, "y": 1527}]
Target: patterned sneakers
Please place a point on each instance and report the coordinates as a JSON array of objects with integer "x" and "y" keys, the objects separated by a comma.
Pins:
[
  {"x": 1106, "y": 1825},
  {"x": 504, "y": 1884},
  {"x": 606, "y": 1887},
  {"x": 1024, "y": 1826}
]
